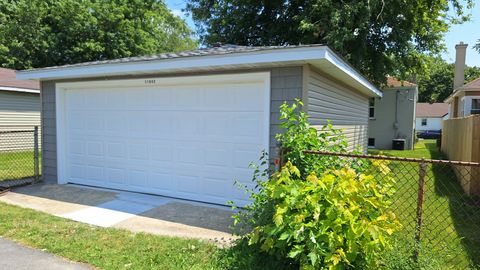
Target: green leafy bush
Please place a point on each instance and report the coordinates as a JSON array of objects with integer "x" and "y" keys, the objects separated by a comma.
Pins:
[
  {"x": 336, "y": 221},
  {"x": 298, "y": 135},
  {"x": 317, "y": 212}
]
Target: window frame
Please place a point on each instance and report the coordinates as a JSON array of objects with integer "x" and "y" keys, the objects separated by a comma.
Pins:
[
  {"x": 422, "y": 122},
  {"x": 369, "y": 145},
  {"x": 476, "y": 110},
  {"x": 371, "y": 108}
]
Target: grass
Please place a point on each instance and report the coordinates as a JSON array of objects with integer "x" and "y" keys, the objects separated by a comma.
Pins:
[
  {"x": 17, "y": 165},
  {"x": 103, "y": 247},
  {"x": 451, "y": 220},
  {"x": 108, "y": 248}
]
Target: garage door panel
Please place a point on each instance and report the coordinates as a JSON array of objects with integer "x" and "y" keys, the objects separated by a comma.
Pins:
[
  {"x": 137, "y": 98},
  {"x": 116, "y": 175},
  {"x": 161, "y": 98},
  {"x": 187, "y": 98},
  {"x": 116, "y": 149},
  {"x": 138, "y": 150},
  {"x": 137, "y": 177},
  {"x": 95, "y": 99},
  {"x": 183, "y": 141},
  {"x": 95, "y": 173},
  {"x": 75, "y": 99},
  {"x": 162, "y": 181},
  {"x": 161, "y": 151},
  {"x": 219, "y": 155}
]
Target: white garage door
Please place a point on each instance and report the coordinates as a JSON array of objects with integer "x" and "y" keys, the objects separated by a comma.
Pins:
[{"x": 188, "y": 138}]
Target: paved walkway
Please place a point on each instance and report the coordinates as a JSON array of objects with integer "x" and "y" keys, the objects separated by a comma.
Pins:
[
  {"x": 132, "y": 211},
  {"x": 15, "y": 256}
]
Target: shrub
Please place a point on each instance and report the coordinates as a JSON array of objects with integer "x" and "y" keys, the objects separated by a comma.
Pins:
[
  {"x": 316, "y": 212},
  {"x": 335, "y": 221},
  {"x": 298, "y": 135}
]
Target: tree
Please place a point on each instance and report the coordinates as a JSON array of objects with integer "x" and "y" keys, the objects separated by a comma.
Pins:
[
  {"x": 378, "y": 37},
  {"x": 40, "y": 33},
  {"x": 436, "y": 83}
]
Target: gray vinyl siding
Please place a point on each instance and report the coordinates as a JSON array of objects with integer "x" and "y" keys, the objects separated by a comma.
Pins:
[
  {"x": 344, "y": 107},
  {"x": 286, "y": 85},
  {"x": 49, "y": 141}
]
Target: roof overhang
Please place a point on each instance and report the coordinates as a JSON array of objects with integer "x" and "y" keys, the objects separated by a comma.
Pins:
[
  {"x": 320, "y": 57},
  {"x": 17, "y": 89},
  {"x": 455, "y": 93}
]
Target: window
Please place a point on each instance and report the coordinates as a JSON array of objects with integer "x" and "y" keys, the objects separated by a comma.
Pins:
[
  {"x": 424, "y": 122},
  {"x": 475, "y": 106},
  {"x": 371, "y": 108},
  {"x": 371, "y": 142}
]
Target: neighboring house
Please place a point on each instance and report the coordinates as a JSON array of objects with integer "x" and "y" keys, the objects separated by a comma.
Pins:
[
  {"x": 19, "y": 102},
  {"x": 465, "y": 98},
  {"x": 461, "y": 133},
  {"x": 429, "y": 116},
  {"x": 187, "y": 124},
  {"x": 393, "y": 115}
]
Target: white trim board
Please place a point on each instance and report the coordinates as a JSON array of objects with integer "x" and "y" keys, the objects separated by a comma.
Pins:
[
  {"x": 257, "y": 59},
  {"x": 17, "y": 89}
]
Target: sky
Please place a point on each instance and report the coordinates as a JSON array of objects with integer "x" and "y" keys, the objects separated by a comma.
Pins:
[{"x": 467, "y": 32}]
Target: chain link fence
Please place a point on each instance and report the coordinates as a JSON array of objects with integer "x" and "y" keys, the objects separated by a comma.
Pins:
[
  {"x": 438, "y": 204},
  {"x": 19, "y": 153}
]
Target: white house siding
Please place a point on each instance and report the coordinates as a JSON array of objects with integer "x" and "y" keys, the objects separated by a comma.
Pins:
[
  {"x": 344, "y": 107},
  {"x": 433, "y": 123}
]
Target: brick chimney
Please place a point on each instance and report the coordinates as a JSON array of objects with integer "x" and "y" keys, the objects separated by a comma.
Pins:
[{"x": 459, "y": 76}]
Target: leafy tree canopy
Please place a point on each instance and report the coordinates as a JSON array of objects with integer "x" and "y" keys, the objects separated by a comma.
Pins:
[
  {"x": 436, "y": 82},
  {"x": 378, "y": 37},
  {"x": 40, "y": 33}
]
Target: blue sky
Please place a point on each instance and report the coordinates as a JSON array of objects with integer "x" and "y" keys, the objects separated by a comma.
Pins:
[{"x": 467, "y": 32}]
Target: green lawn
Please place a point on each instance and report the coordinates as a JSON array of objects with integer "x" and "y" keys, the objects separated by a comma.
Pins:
[
  {"x": 101, "y": 247},
  {"x": 108, "y": 248},
  {"x": 450, "y": 235},
  {"x": 16, "y": 165}
]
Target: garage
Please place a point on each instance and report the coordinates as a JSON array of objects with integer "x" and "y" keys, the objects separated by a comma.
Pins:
[
  {"x": 188, "y": 138},
  {"x": 187, "y": 124}
]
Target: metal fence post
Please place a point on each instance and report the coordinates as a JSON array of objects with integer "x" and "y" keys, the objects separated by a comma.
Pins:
[
  {"x": 35, "y": 155},
  {"x": 420, "y": 201}
]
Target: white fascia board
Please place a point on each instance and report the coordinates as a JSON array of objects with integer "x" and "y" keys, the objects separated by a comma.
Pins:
[
  {"x": 16, "y": 89},
  {"x": 302, "y": 55},
  {"x": 176, "y": 64},
  {"x": 342, "y": 65}
]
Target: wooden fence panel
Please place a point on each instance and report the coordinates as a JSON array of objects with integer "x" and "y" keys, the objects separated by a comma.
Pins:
[{"x": 461, "y": 142}]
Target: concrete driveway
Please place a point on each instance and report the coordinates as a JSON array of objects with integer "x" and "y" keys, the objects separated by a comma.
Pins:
[
  {"x": 132, "y": 211},
  {"x": 15, "y": 256}
]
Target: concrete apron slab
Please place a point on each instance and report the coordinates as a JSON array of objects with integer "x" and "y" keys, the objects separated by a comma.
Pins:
[{"x": 131, "y": 211}]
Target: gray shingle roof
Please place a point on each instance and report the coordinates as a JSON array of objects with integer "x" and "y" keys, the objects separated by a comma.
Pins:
[{"x": 220, "y": 50}]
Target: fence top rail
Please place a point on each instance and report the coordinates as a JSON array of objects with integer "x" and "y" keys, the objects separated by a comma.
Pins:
[{"x": 433, "y": 161}]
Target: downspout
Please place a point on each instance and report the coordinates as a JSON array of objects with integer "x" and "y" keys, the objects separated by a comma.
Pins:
[{"x": 395, "y": 124}]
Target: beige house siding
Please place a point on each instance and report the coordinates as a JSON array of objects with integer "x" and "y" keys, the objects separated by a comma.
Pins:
[
  {"x": 18, "y": 112},
  {"x": 344, "y": 107},
  {"x": 19, "y": 109}
]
